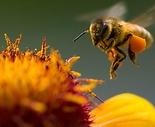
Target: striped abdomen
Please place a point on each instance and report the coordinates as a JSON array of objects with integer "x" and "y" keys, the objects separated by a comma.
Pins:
[{"x": 141, "y": 32}]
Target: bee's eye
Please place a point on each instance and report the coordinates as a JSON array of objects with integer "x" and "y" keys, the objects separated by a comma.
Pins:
[
  {"x": 96, "y": 28},
  {"x": 105, "y": 27},
  {"x": 99, "y": 28}
]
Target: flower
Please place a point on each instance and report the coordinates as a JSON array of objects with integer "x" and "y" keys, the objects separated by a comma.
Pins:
[
  {"x": 124, "y": 110},
  {"x": 41, "y": 90}
]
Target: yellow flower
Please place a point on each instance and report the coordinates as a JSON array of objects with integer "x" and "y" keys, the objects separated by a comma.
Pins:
[
  {"x": 39, "y": 90},
  {"x": 124, "y": 110}
]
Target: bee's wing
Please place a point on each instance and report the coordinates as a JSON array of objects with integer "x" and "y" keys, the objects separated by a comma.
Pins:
[
  {"x": 117, "y": 10},
  {"x": 146, "y": 19}
]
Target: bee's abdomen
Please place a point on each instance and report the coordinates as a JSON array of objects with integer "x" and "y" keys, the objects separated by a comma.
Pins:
[{"x": 141, "y": 32}]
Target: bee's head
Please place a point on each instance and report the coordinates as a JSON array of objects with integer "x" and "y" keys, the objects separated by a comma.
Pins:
[{"x": 98, "y": 28}]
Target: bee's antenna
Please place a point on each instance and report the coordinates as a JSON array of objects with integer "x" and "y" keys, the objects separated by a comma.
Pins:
[{"x": 81, "y": 34}]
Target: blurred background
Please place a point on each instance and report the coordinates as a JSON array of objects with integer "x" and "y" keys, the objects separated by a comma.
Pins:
[{"x": 57, "y": 19}]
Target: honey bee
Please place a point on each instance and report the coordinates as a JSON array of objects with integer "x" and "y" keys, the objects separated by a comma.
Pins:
[{"x": 112, "y": 35}]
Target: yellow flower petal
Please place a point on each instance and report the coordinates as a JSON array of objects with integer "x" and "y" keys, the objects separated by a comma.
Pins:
[
  {"x": 124, "y": 110},
  {"x": 85, "y": 87},
  {"x": 75, "y": 98}
]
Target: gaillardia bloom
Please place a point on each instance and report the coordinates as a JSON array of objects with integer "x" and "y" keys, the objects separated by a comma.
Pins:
[{"x": 41, "y": 90}]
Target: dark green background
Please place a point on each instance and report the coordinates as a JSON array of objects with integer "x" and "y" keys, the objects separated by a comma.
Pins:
[{"x": 56, "y": 20}]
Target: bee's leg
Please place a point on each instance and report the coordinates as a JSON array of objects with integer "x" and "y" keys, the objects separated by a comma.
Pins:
[
  {"x": 101, "y": 46},
  {"x": 113, "y": 68},
  {"x": 110, "y": 44},
  {"x": 115, "y": 64},
  {"x": 132, "y": 55}
]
